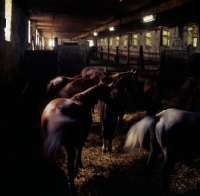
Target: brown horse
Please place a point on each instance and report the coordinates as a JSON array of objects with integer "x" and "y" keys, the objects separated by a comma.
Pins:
[
  {"x": 55, "y": 85},
  {"x": 90, "y": 72},
  {"x": 113, "y": 110},
  {"x": 67, "y": 122},
  {"x": 190, "y": 90},
  {"x": 76, "y": 86},
  {"x": 64, "y": 87},
  {"x": 149, "y": 92}
]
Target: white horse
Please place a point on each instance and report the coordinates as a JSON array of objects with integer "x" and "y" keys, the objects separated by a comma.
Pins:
[{"x": 172, "y": 131}]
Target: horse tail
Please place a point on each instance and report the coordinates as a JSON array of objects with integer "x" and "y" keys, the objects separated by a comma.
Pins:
[
  {"x": 52, "y": 143},
  {"x": 139, "y": 134}
]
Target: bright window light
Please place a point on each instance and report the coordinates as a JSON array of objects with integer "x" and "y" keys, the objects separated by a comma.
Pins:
[
  {"x": 29, "y": 31},
  {"x": 111, "y": 29},
  {"x": 8, "y": 16},
  {"x": 36, "y": 37},
  {"x": 135, "y": 40},
  {"x": 148, "y": 18},
  {"x": 111, "y": 41},
  {"x": 51, "y": 42},
  {"x": 117, "y": 41},
  {"x": 91, "y": 43}
]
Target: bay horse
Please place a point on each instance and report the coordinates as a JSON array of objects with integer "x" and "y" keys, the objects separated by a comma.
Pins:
[
  {"x": 174, "y": 132},
  {"x": 67, "y": 122},
  {"x": 112, "y": 111},
  {"x": 81, "y": 84},
  {"x": 90, "y": 72},
  {"x": 149, "y": 92},
  {"x": 76, "y": 86},
  {"x": 55, "y": 85},
  {"x": 190, "y": 90}
]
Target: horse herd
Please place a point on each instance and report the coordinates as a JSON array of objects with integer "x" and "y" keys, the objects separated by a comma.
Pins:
[{"x": 67, "y": 118}]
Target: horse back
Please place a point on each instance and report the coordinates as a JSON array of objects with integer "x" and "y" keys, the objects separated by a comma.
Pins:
[
  {"x": 77, "y": 86},
  {"x": 178, "y": 130},
  {"x": 90, "y": 72}
]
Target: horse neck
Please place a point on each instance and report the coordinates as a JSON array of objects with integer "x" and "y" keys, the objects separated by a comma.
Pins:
[
  {"x": 113, "y": 78},
  {"x": 89, "y": 97},
  {"x": 76, "y": 77}
]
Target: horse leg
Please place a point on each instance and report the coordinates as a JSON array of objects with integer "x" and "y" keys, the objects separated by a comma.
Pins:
[
  {"x": 70, "y": 166},
  {"x": 104, "y": 145},
  {"x": 166, "y": 169},
  {"x": 112, "y": 129},
  {"x": 154, "y": 152},
  {"x": 78, "y": 163},
  {"x": 121, "y": 122}
]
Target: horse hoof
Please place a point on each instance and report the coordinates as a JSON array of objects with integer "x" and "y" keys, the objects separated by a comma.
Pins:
[{"x": 104, "y": 151}]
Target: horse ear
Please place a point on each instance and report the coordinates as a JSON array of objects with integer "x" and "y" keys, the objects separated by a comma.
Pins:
[
  {"x": 109, "y": 85},
  {"x": 134, "y": 71}
]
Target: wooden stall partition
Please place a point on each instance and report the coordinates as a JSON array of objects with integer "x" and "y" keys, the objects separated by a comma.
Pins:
[
  {"x": 173, "y": 66},
  {"x": 72, "y": 59}
]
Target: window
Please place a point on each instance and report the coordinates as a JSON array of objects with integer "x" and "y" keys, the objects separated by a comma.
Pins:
[
  {"x": 8, "y": 16},
  {"x": 51, "y": 42},
  {"x": 135, "y": 39},
  {"x": 101, "y": 42},
  {"x": 165, "y": 37},
  {"x": 111, "y": 40},
  {"x": 117, "y": 41},
  {"x": 125, "y": 41},
  {"x": 148, "y": 39},
  {"x": 105, "y": 42},
  {"x": 37, "y": 37},
  {"x": 91, "y": 42},
  {"x": 29, "y": 31},
  {"x": 192, "y": 36},
  {"x": 98, "y": 42}
]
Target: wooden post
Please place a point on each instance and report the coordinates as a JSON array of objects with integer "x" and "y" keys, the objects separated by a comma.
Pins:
[
  {"x": 189, "y": 64},
  {"x": 117, "y": 56},
  {"x": 96, "y": 48},
  {"x": 108, "y": 39},
  {"x": 162, "y": 62},
  {"x": 128, "y": 51},
  {"x": 141, "y": 63},
  {"x": 101, "y": 53}
]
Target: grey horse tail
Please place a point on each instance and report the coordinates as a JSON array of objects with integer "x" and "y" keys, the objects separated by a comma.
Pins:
[{"x": 138, "y": 135}]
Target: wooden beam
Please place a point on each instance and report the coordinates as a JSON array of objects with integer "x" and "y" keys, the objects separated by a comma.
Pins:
[{"x": 162, "y": 7}]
